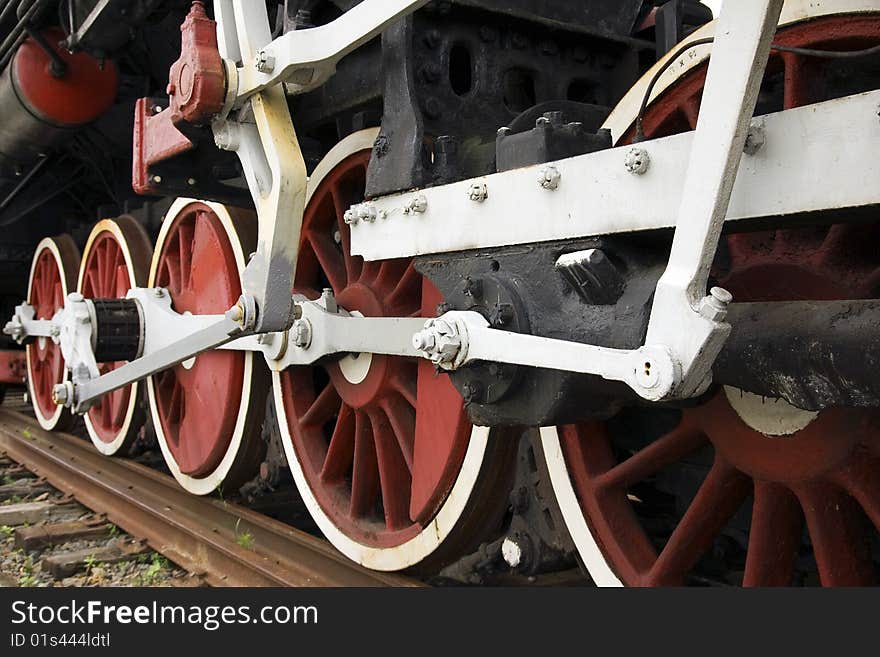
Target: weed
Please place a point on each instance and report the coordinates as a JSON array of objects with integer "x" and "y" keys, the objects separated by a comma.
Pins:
[{"x": 243, "y": 539}]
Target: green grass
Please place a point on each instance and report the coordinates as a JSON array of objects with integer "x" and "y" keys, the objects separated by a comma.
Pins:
[{"x": 243, "y": 539}]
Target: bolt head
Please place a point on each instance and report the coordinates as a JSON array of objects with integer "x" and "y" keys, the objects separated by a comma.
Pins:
[
  {"x": 418, "y": 205},
  {"x": 265, "y": 62},
  {"x": 367, "y": 213},
  {"x": 549, "y": 178},
  {"x": 159, "y": 293},
  {"x": 512, "y": 552},
  {"x": 156, "y": 179},
  {"x": 424, "y": 341},
  {"x": 301, "y": 333},
  {"x": 60, "y": 394},
  {"x": 638, "y": 161},
  {"x": 721, "y": 295},
  {"x": 350, "y": 217},
  {"x": 478, "y": 192}
]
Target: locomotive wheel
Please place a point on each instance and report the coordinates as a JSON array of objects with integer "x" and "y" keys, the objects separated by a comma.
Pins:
[
  {"x": 207, "y": 412},
  {"x": 380, "y": 448},
  {"x": 53, "y": 276},
  {"x": 730, "y": 491},
  {"x": 116, "y": 258}
]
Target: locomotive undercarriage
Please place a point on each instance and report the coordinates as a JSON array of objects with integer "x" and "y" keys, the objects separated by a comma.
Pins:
[{"x": 567, "y": 282}]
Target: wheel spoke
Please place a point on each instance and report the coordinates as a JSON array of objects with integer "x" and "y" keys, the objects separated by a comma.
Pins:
[
  {"x": 691, "y": 111},
  {"x": 718, "y": 498},
  {"x": 325, "y": 406},
  {"x": 838, "y": 533},
  {"x": 861, "y": 479},
  {"x": 403, "y": 422},
  {"x": 188, "y": 249},
  {"x": 663, "y": 452},
  {"x": 330, "y": 259},
  {"x": 340, "y": 453},
  {"x": 353, "y": 264},
  {"x": 365, "y": 475},
  {"x": 774, "y": 536},
  {"x": 408, "y": 286},
  {"x": 394, "y": 474}
]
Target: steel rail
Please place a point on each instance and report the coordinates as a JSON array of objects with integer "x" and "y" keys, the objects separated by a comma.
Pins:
[{"x": 203, "y": 535}]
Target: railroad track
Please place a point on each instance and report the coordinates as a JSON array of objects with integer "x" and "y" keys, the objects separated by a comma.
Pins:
[{"x": 221, "y": 542}]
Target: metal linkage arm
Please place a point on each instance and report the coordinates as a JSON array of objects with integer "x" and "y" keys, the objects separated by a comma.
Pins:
[
  {"x": 683, "y": 318},
  {"x": 460, "y": 338},
  {"x": 305, "y": 59},
  {"x": 263, "y": 136},
  {"x": 81, "y": 392},
  {"x": 23, "y": 327}
]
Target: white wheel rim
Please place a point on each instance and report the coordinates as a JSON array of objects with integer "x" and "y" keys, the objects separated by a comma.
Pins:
[
  {"x": 46, "y": 244},
  {"x": 427, "y": 541},
  {"x": 209, "y": 483},
  {"x": 112, "y": 447}
]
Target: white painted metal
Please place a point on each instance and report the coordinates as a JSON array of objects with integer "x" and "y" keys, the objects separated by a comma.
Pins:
[
  {"x": 736, "y": 70},
  {"x": 305, "y": 59},
  {"x": 650, "y": 371},
  {"x": 262, "y": 134},
  {"x": 620, "y": 121},
  {"x": 790, "y": 175}
]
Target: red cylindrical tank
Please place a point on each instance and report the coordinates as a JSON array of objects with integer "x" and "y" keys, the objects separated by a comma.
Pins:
[{"x": 40, "y": 109}]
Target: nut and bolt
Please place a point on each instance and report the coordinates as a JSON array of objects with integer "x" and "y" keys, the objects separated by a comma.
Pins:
[
  {"x": 418, "y": 205},
  {"x": 424, "y": 341},
  {"x": 301, "y": 331},
  {"x": 637, "y": 161},
  {"x": 362, "y": 212},
  {"x": 439, "y": 341},
  {"x": 265, "y": 62},
  {"x": 159, "y": 293},
  {"x": 478, "y": 192},
  {"x": 549, "y": 178},
  {"x": 54, "y": 331},
  {"x": 512, "y": 552},
  {"x": 156, "y": 180},
  {"x": 714, "y": 307},
  {"x": 472, "y": 391},
  {"x": 60, "y": 394},
  {"x": 756, "y": 137}
]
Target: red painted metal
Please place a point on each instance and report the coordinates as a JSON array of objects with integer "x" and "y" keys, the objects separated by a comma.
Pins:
[
  {"x": 196, "y": 92},
  {"x": 46, "y": 295},
  {"x": 107, "y": 277},
  {"x": 198, "y": 407},
  {"x": 85, "y": 91},
  {"x": 382, "y": 455},
  {"x": 824, "y": 479},
  {"x": 13, "y": 367}
]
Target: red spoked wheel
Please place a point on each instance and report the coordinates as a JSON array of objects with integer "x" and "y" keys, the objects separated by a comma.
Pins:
[
  {"x": 741, "y": 490},
  {"x": 116, "y": 259},
  {"x": 53, "y": 276},
  {"x": 207, "y": 411},
  {"x": 381, "y": 448}
]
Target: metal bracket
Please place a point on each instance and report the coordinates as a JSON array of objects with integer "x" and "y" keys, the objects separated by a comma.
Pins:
[{"x": 683, "y": 318}]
